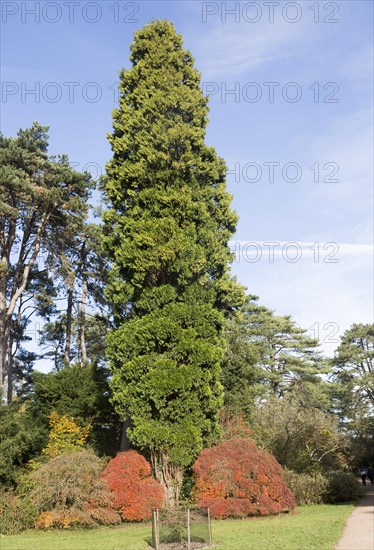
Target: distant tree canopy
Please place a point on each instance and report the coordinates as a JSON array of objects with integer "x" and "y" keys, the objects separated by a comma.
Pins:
[
  {"x": 354, "y": 363},
  {"x": 353, "y": 389},
  {"x": 303, "y": 439}
]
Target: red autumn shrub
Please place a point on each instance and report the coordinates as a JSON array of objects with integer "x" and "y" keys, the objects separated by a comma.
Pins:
[
  {"x": 236, "y": 479},
  {"x": 135, "y": 492}
]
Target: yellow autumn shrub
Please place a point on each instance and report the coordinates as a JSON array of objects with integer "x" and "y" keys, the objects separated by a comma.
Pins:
[{"x": 65, "y": 435}]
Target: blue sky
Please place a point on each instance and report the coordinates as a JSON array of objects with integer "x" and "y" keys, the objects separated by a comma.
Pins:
[{"x": 296, "y": 130}]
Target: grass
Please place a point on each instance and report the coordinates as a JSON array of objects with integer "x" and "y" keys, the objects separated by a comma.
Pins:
[{"x": 309, "y": 528}]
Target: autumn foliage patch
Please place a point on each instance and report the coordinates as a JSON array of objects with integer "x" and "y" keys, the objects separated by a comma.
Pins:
[
  {"x": 236, "y": 479},
  {"x": 68, "y": 491},
  {"x": 65, "y": 435},
  {"x": 135, "y": 492}
]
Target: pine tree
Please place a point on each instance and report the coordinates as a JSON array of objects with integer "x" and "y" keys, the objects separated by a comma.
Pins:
[
  {"x": 288, "y": 358},
  {"x": 41, "y": 197},
  {"x": 76, "y": 332},
  {"x": 269, "y": 355},
  {"x": 353, "y": 374},
  {"x": 354, "y": 363},
  {"x": 167, "y": 234}
]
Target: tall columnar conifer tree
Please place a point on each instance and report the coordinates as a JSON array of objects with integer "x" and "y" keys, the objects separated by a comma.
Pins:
[{"x": 167, "y": 229}]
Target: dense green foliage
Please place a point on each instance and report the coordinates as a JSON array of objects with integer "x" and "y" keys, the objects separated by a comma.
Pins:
[
  {"x": 82, "y": 393},
  {"x": 240, "y": 368},
  {"x": 303, "y": 439},
  {"x": 167, "y": 234},
  {"x": 21, "y": 439},
  {"x": 307, "y": 488},
  {"x": 343, "y": 487}
]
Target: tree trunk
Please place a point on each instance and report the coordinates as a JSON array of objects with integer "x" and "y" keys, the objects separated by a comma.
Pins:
[
  {"x": 3, "y": 351},
  {"x": 81, "y": 322},
  {"x": 2, "y": 360},
  {"x": 69, "y": 318},
  {"x": 5, "y": 367},
  {"x": 169, "y": 475},
  {"x": 20, "y": 280},
  {"x": 3, "y": 348},
  {"x": 9, "y": 356},
  {"x": 6, "y": 363},
  {"x": 3, "y": 321},
  {"x": 125, "y": 444}
]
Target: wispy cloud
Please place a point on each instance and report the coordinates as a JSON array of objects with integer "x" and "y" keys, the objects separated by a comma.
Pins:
[{"x": 228, "y": 49}]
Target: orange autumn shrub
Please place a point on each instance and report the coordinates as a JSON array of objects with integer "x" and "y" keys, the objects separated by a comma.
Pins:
[
  {"x": 236, "y": 479},
  {"x": 135, "y": 492}
]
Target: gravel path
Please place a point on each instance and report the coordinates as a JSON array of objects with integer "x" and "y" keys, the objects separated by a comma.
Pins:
[{"x": 359, "y": 530}]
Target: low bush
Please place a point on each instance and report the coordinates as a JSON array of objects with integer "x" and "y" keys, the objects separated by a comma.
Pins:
[
  {"x": 69, "y": 491},
  {"x": 135, "y": 492},
  {"x": 342, "y": 487},
  {"x": 307, "y": 488},
  {"x": 76, "y": 517},
  {"x": 236, "y": 479},
  {"x": 13, "y": 516}
]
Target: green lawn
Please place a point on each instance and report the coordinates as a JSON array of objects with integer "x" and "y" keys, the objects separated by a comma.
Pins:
[{"x": 309, "y": 528}]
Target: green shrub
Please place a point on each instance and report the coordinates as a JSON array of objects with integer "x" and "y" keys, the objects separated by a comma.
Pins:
[
  {"x": 342, "y": 487},
  {"x": 21, "y": 440},
  {"x": 307, "y": 488},
  {"x": 13, "y": 516}
]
